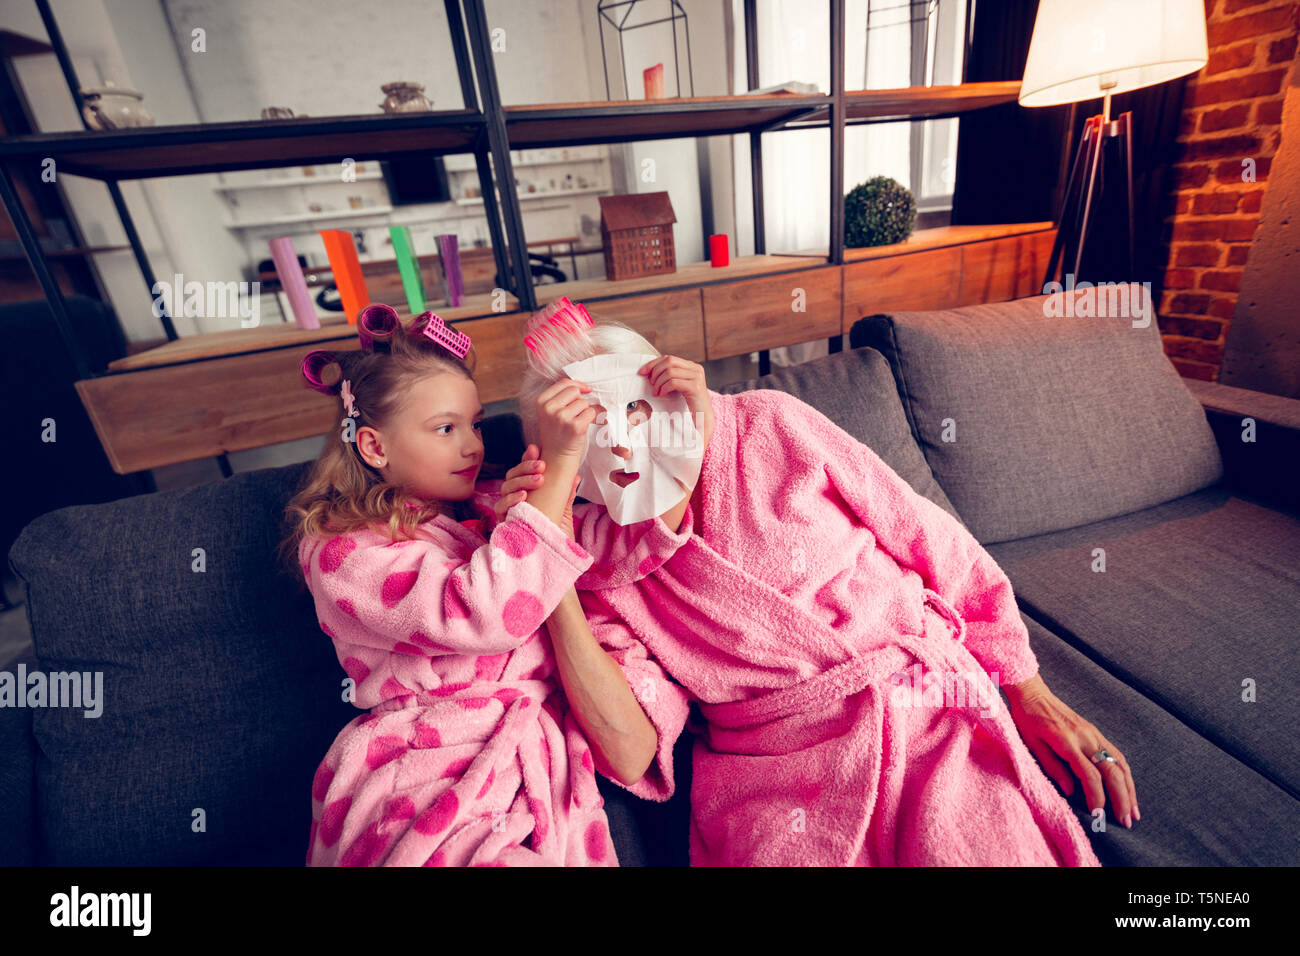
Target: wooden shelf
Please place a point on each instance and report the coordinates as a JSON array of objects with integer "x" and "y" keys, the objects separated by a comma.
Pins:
[
  {"x": 914, "y": 102},
  {"x": 690, "y": 275},
  {"x": 178, "y": 402},
  {"x": 153, "y": 151},
  {"x": 64, "y": 253},
  {"x": 569, "y": 124},
  {"x": 210, "y": 345},
  {"x": 19, "y": 44},
  {"x": 935, "y": 238},
  {"x": 621, "y": 121}
]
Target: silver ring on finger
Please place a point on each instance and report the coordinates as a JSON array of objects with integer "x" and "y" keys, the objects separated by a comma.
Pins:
[{"x": 1103, "y": 756}]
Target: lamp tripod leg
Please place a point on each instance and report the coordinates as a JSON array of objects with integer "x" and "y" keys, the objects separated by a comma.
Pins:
[
  {"x": 1126, "y": 131},
  {"x": 1069, "y": 212},
  {"x": 1094, "y": 161}
]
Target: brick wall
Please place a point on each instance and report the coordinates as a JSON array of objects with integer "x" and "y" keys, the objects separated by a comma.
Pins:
[{"x": 1232, "y": 111}]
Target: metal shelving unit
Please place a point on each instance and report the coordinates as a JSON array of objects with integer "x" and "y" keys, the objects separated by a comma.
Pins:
[{"x": 485, "y": 128}]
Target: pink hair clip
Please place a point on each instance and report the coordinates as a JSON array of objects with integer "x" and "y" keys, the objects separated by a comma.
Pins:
[
  {"x": 549, "y": 327},
  {"x": 349, "y": 400},
  {"x": 436, "y": 330}
]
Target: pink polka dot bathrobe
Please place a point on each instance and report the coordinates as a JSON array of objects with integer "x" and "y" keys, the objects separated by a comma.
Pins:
[
  {"x": 468, "y": 753},
  {"x": 806, "y": 582}
]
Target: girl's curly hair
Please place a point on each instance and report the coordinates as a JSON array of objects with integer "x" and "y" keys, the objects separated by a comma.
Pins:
[{"x": 342, "y": 492}]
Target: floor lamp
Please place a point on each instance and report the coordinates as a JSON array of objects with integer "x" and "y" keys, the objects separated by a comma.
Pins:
[{"x": 1083, "y": 49}]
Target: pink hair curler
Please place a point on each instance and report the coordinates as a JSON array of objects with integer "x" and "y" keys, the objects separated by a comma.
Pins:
[
  {"x": 376, "y": 326},
  {"x": 549, "y": 327},
  {"x": 314, "y": 364},
  {"x": 436, "y": 330}
]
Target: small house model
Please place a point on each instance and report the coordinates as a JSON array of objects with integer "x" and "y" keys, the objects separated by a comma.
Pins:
[{"x": 637, "y": 232}]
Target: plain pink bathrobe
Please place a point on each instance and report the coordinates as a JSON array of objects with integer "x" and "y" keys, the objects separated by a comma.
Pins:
[
  {"x": 807, "y": 577},
  {"x": 468, "y": 754}
]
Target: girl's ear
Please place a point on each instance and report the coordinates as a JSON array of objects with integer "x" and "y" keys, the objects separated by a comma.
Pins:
[{"x": 369, "y": 442}]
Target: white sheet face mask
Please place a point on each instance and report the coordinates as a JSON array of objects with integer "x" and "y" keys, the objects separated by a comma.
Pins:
[{"x": 659, "y": 431}]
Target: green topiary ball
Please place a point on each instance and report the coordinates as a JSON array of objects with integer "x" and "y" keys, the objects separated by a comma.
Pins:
[{"x": 879, "y": 212}]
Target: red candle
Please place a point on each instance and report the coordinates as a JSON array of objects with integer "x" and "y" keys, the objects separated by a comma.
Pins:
[
  {"x": 654, "y": 82},
  {"x": 718, "y": 254}
]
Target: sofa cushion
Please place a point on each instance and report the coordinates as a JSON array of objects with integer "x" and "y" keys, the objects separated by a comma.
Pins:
[
  {"x": 855, "y": 389},
  {"x": 17, "y": 781},
  {"x": 1197, "y": 597},
  {"x": 1192, "y": 794},
  {"x": 220, "y": 694},
  {"x": 1033, "y": 423}
]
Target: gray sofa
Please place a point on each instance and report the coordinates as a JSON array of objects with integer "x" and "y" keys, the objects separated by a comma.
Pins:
[{"x": 1060, "y": 444}]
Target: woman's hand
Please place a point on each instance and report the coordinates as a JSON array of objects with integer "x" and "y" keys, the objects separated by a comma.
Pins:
[
  {"x": 668, "y": 373},
  {"x": 1057, "y": 736}
]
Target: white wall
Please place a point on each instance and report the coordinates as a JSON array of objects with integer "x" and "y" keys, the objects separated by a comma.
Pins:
[{"x": 123, "y": 41}]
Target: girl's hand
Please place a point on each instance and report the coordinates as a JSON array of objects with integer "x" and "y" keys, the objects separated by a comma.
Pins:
[
  {"x": 563, "y": 416},
  {"x": 530, "y": 474},
  {"x": 669, "y": 373},
  {"x": 519, "y": 480},
  {"x": 1057, "y": 736}
]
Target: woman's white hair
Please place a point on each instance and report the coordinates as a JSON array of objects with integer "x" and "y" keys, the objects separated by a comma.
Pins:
[{"x": 602, "y": 338}]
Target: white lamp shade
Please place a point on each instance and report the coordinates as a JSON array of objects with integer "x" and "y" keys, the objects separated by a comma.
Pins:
[{"x": 1079, "y": 45}]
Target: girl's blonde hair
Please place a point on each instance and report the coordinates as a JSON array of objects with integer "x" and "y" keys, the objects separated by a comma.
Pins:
[
  {"x": 546, "y": 368},
  {"x": 342, "y": 492}
]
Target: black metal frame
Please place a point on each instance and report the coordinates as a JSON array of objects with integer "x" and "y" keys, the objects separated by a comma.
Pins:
[
  {"x": 484, "y": 134},
  {"x": 677, "y": 13}
]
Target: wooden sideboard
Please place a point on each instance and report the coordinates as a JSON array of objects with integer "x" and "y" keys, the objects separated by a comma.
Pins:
[{"x": 205, "y": 395}]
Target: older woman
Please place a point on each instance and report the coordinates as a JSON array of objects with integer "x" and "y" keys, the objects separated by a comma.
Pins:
[{"x": 826, "y": 618}]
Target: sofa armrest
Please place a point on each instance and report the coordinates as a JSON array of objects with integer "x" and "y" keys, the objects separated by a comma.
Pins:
[
  {"x": 1264, "y": 468},
  {"x": 17, "y": 781}
]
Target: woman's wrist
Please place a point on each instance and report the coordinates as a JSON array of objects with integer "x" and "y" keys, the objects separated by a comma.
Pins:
[
  {"x": 568, "y": 609},
  {"x": 1027, "y": 689}
]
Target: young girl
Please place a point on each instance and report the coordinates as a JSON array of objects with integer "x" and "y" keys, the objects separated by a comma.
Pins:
[{"x": 433, "y": 589}]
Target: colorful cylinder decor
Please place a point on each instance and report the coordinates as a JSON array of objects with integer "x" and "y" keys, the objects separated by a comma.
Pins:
[
  {"x": 449, "y": 263},
  {"x": 719, "y": 255},
  {"x": 294, "y": 283},
  {"x": 408, "y": 266},
  {"x": 346, "y": 268}
]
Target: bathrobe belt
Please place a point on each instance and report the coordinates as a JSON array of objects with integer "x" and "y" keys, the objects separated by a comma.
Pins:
[{"x": 821, "y": 690}]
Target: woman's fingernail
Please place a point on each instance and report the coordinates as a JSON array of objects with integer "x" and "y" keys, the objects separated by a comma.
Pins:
[
  {"x": 1128, "y": 821},
  {"x": 1137, "y": 812}
]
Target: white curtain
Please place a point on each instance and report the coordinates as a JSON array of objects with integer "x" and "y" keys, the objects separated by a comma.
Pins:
[{"x": 794, "y": 44}]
